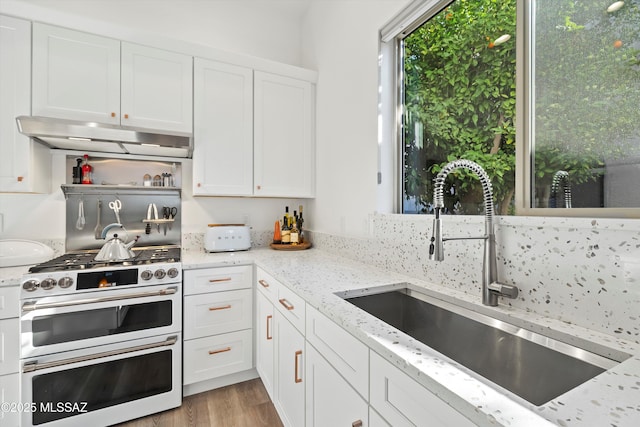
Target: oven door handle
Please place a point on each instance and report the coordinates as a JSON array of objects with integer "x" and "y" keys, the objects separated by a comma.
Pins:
[
  {"x": 32, "y": 305},
  {"x": 35, "y": 366}
]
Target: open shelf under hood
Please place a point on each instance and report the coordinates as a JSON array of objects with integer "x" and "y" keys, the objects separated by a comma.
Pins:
[{"x": 98, "y": 137}]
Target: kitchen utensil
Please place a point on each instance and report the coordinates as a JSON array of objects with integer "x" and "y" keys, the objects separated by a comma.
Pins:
[
  {"x": 81, "y": 220},
  {"x": 153, "y": 209},
  {"x": 116, "y": 205},
  {"x": 97, "y": 232},
  {"x": 169, "y": 212}
]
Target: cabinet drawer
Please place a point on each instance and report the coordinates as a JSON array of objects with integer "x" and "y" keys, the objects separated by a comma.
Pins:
[
  {"x": 9, "y": 306},
  {"x": 346, "y": 354},
  {"x": 217, "y": 279},
  {"x": 291, "y": 306},
  {"x": 217, "y": 313},
  {"x": 404, "y": 402},
  {"x": 267, "y": 285},
  {"x": 212, "y": 357},
  {"x": 9, "y": 346}
]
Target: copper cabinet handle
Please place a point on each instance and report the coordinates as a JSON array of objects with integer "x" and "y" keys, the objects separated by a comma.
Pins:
[
  {"x": 223, "y": 307},
  {"x": 263, "y": 283},
  {"x": 269, "y": 336},
  {"x": 226, "y": 279},
  {"x": 297, "y": 367},
  {"x": 222, "y": 350},
  {"x": 113, "y": 114},
  {"x": 286, "y": 304},
  {"x": 20, "y": 178},
  {"x": 356, "y": 423},
  {"x": 126, "y": 116}
]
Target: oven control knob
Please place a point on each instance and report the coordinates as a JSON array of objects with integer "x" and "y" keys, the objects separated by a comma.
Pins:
[
  {"x": 173, "y": 272},
  {"x": 65, "y": 282},
  {"x": 47, "y": 284},
  {"x": 146, "y": 275},
  {"x": 160, "y": 273},
  {"x": 30, "y": 285}
]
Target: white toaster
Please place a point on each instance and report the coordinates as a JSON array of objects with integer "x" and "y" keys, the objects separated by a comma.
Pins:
[{"x": 227, "y": 238}]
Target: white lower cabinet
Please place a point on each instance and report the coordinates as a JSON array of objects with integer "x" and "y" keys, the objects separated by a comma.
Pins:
[
  {"x": 404, "y": 402},
  {"x": 9, "y": 395},
  {"x": 264, "y": 342},
  {"x": 375, "y": 420},
  {"x": 218, "y": 326},
  {"x": 289, "y": 385},
  {"x": 331, "y": 401}
]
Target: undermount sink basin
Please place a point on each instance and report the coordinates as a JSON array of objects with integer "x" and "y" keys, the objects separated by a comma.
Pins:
[
  {"x": 535, "y": 367},
  {"x": 16, "y": 252}
]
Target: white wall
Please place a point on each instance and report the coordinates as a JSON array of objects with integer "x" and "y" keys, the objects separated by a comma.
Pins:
[
  {"x": 266, "y": 29},
  {"x": 341, "y": 43}
]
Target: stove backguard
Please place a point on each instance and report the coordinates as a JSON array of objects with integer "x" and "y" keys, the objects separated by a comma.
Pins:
[{"x": 135, "y": 203}]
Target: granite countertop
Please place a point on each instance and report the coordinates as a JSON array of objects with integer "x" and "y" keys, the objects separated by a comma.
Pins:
[{"x": 612, "y": 398}]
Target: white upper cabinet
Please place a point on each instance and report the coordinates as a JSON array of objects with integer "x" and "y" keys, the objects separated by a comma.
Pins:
[
  {"x": 223, "y": 129},
  {"x": 86, "y": 77},
  {"x": 25, "y": 166},
  {"x": 75, "y": 75},
  {"x": 157, "y": 89},
  {"x": 284, "y": 149}
]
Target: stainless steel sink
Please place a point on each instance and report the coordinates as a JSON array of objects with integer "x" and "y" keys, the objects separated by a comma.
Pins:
[{"x": 535, "y": 367}]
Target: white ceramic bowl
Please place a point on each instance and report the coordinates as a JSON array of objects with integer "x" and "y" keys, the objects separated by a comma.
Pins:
[{"x": 15, "y": 252}]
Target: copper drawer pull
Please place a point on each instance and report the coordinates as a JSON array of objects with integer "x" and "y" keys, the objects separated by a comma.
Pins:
[
  {"x": 286, "y": 304},
  {"x": 222, "y": 350},
  {"x": 297, "y": 360},
  {"x": 224, "y": 307},
  {"x": 269, "y": 336},
  {"x": 226, "y": 279},
  {"x": 263, "y": 283},
  {"x": 357, "y": 423}
]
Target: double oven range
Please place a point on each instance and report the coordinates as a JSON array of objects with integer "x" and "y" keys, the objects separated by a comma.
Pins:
[{"x": 101, "y": 342}]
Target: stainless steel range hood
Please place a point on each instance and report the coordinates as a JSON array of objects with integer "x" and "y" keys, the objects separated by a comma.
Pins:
[{"x": 88, "y": 136}]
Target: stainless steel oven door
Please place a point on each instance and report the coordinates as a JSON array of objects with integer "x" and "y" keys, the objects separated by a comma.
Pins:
[
  {"x": 103, "y": 385},
  {"x": 69, "y": 322}
]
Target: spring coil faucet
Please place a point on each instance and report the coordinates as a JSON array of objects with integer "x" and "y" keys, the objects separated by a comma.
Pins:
[{"x": 491, "y": 288}]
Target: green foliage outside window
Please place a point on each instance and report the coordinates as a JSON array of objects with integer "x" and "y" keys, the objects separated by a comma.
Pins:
[{"x": 460, "y": 103}]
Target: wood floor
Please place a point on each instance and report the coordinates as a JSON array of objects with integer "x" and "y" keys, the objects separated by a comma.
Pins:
[{"x": 245, "y": 404}]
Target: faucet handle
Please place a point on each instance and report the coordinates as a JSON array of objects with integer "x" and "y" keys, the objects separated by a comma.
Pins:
[{"x": 503, "y": 290}]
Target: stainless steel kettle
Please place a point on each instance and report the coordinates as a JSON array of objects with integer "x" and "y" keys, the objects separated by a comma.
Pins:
[{"x": 115, "y": 249}]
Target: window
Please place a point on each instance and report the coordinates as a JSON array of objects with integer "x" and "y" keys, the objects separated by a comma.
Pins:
[
  {"x": 569, "y": 104},
  {"x": 458, "y": 83}
]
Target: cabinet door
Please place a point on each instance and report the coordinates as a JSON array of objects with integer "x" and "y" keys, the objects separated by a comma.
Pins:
[
  {"x": 223, "y": 129},
  {"x": 284, "y": 150},
  {"x": 264, "y": 342},
  {"x": 9, "y": 346},
  {"x": 75, "y": 75},
  {"x": 9, "y": 393},
  {"x": 330, "y": 400},
  {"x": 24, "y": 164},
  {"x": 289, "y": 385},
  {"x": 157, "y": 91}
]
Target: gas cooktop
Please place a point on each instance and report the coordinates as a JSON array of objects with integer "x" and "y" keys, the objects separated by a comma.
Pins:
[{"x": 84, "y": 260}]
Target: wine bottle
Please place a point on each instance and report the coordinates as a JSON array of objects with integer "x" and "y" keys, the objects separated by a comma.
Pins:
[
  {"x": 300, "y": 228},
  {"x": 295, "y": 236},
  {"x": 285, "y": 234}
]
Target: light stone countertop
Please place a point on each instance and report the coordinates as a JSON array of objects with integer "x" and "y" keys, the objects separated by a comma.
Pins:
[{"x": 612, "y": 398}]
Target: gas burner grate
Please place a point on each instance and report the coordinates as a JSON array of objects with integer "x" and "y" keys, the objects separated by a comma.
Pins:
[{"x": 85, "y": 260}]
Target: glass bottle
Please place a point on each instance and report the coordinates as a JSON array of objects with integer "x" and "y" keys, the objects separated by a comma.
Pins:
[{"x": 87, "y": 171}]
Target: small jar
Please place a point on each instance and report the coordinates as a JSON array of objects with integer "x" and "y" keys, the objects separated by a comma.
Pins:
[
  {"x": 157, "y": 181},
  {"x": 146, "y": 180}
]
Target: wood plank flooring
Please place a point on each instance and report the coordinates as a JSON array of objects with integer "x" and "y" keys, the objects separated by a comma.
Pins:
[{"x": 246, "y": 404}]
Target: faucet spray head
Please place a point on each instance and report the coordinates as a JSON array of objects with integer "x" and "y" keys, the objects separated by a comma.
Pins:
[{"x": 436, "y": 248}]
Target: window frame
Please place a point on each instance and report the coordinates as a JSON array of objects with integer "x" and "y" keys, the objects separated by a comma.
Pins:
[{"x": 391, "y": 96}]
